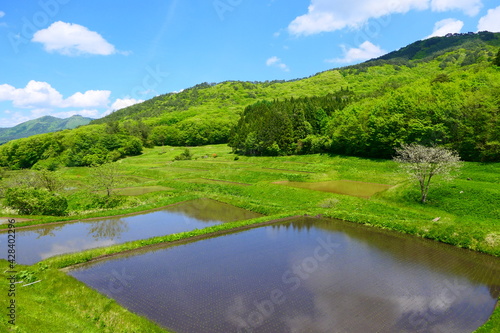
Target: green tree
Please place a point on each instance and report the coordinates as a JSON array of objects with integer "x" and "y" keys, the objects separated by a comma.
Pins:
[
  {"x": 423, "y": 163},
  {"x": 496, "y": 61}
]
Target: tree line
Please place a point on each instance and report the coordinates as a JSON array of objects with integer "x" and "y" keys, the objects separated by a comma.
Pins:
[{"x": 84, "y": 146}]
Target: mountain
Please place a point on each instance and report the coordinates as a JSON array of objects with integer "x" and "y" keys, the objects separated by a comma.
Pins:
[
  {"x": 231, "y": 97},
  {"x": 41, "y": 125},
  {"x": 441, "y": 90}
]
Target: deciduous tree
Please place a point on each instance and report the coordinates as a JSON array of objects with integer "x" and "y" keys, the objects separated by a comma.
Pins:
[
  {"x": 105, "y": 177},
  {"x": 423, "y": 163}
]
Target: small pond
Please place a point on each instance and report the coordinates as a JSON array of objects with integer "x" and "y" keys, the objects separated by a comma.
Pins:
[
  {"x": 306, "y": 275},
  {"x": 348, "y": 187},
  {"x": 38, "y": 243}
]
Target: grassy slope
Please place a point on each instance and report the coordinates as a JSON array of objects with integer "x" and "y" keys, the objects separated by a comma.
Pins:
[{"x": 468, "y": 208}]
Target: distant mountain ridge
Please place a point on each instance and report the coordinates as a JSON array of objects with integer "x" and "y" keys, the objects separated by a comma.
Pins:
[{"x": 41, "y": 125}]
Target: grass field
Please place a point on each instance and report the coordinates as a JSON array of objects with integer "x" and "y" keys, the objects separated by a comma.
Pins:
[{"x": 468, "y": 209}]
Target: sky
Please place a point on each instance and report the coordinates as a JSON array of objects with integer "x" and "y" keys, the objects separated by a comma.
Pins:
[{"x": 89, "y": 57}]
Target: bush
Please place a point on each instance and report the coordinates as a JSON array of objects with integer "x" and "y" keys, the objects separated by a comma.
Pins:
[
  {"x": 104, "y": 201},
  {"x": 32, "y": 201},
  {"x": 185, "y": 155}
]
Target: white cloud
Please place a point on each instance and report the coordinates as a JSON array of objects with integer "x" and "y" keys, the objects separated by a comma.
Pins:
[
  {"x": 276, "y": 62},
  {"x": 446, "y": 26},
  {"x": 491, "y": 21},
  {"x": 2, "y": 14},
  {"x": 41, "y": 99},
  {"x": 72, "y": 39},
  {"x": 365, "y": 51},
  {"x": 469, "y": 7},
  {"x": 90, "y": 98},
  {"x": 328, "y": 15},
  {"x": 121, "y": 103},
  {"x": 42, "y": 95},
  {"x": 35, "y": 94}
]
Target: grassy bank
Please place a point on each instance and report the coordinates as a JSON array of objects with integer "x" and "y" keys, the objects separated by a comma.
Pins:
[{"x": 464, "y": 212}]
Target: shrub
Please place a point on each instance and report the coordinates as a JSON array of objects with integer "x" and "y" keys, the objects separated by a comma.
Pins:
[
  {"x": 104, "y": 201},
  {"x": 185, "y": 155},
  {"x": 32, "y": 201}
]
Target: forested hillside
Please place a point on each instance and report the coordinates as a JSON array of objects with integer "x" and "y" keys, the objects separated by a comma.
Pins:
[
  {"x": 41, "y": 125},
  {"x": 443, "y": 90}
]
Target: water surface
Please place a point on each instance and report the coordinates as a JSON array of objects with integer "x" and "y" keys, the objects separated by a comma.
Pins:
[
  {"x": 308, "y": 275},
  {"x": 38, "y": 243}
]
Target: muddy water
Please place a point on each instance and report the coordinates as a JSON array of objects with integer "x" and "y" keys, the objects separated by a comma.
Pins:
[
  {"x": 35, "y": 244},
  {"x": 348, "y": 187},
  {"x": 308, "y": 275}
]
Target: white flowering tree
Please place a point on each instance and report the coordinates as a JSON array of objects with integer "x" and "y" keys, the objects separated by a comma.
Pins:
[{"x": 423, "y": 163}]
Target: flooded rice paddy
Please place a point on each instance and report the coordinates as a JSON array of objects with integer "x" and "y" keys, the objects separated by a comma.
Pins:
[
  {"x": 305, "y": 275},
  {"x": 348, "y": 187},
  {"x": 38, "y": 243}
]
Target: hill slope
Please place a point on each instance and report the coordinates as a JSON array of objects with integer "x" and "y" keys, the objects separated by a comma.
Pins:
[
  {"x": 231, "y": 97},
  {"x": 443, "y": 90},
  {"x": 41, "y": 125}
]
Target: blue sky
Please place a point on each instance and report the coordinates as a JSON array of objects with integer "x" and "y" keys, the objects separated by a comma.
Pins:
[{"x": 89, "y": 57}]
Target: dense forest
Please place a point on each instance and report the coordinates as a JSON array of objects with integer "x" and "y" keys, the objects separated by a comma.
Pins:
[
  {"x": 459, "y": 111},
  {"x": 442, "y": 91},
  {"x": 295, "y": 125}
]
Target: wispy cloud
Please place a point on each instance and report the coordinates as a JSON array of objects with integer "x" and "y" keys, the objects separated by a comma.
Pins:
[
  {"x": 327, "y": 15},
  {"x": 276, "y": 62}
]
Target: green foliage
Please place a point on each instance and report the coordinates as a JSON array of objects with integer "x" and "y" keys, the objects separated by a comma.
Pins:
[
  {"x": 185, "y": 155},
  {"x": 103, "y": 201},
  {"x": 496, "y": 61},
  {"x": 26, "y": 276},
  {"x": 32, "y": 201},
  {"x": 288, "y": 126},
  {"x": 457, "y": 108},
  {"x": 84, "y": 146}
]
